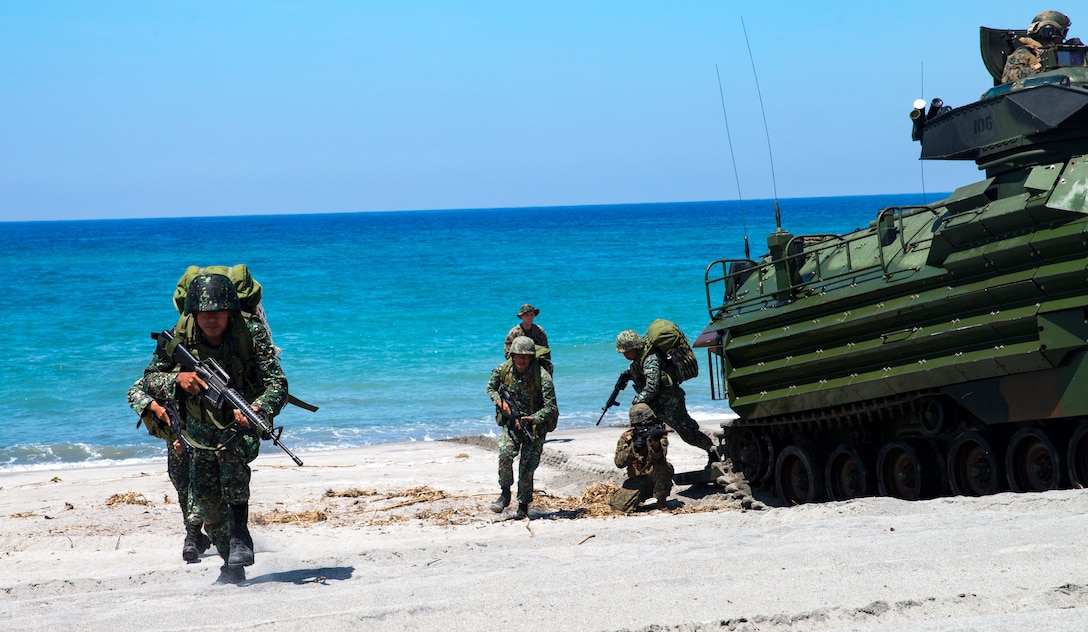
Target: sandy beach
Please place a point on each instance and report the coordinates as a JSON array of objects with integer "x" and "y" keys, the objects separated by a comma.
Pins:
[{"x": 398, "y": 536}]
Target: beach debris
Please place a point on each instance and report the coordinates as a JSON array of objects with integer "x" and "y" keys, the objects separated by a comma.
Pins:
[
  {"x": 354, "y": 492},
  {"x": 55, "y": 479},
  {"x": 290, "y": 517},
  {"x": 585, "y": 539},
  {"x": 128, "y": 498}
]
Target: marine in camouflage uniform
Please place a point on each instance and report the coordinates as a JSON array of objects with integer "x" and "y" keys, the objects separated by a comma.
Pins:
[
  {"x": 224, "y": 448},
  {"x": 656, "y": 388},
  {"x": 178, "y": 464},
  {"x": 649, "y": 472},
  {"x": 532, "y": 390},
  {"x": 1047, "y": 29},
  {"x": 531, "y": 330}
]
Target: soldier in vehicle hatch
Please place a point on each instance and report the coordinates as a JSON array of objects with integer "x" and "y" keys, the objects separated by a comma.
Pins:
[{"x": 1048, "y": 29}]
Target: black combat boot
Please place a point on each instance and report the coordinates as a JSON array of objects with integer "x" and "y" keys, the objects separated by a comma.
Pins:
[
  {"x": 203, "y": 542},
  {"x": 190, "y": 550},
  {"x": 523, "y": 511},
  {"x": 241, "y": 544},
  {"x": 502, "y": 501},
  {"x": 231, "y": 574}
]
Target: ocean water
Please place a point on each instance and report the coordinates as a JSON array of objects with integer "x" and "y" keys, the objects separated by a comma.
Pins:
[{"x": 390, "y": 322}]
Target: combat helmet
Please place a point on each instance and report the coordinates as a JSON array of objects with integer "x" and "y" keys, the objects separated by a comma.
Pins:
[
  {"x": 211, "y": 293},
  {"x": 641, "y": 414},
  {"x": 1057, "y": 22},
  {"x": 523, "y": 345},
  {"x": 627, "y": 340}
]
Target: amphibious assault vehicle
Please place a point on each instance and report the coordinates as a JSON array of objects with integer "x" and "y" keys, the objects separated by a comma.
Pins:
[{"x": 944, "y": 348}]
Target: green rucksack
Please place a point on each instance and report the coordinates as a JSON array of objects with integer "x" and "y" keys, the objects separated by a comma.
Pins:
[
  {"x": 249, "y": 295},
  {"x": 665, "y": 336}
]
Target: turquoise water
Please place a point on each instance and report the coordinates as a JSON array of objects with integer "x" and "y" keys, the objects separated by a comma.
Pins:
[{"x": 390, "y": 322}]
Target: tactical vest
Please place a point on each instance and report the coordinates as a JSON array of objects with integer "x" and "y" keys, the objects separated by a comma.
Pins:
[
  {"x": 233, "y": 355},
  {"x": 534, "y": 385}
]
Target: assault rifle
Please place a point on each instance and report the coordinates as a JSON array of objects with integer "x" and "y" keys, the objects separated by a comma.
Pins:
[
  {"x": 174, "y": 421},
  {"x": 621, "y": 384},
  {"x": 641, "y": 435},
  {"x": 513, "y": 420},
  {"x": 220, "y": 393}
]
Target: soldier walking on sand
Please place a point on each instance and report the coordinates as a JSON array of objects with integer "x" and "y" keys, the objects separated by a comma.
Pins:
[
  {"x": 535, "y": 332},
  {"x": 224, "y": 441},
  {"x": 529, "y": 387},
  {"x": 178, "y": 463}
]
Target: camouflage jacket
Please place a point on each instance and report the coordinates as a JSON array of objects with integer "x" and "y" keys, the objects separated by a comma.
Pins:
[
  {"x": 649, "y": 378},
  {"x": 261, "y": 381},
  {"x": 536, "y": 333},
  {"x": 640, "y": 463},
  {"x": 1023, "y": 61},
  {"x": 535, "y": 397},
  {"x": 139, "y": 398}
]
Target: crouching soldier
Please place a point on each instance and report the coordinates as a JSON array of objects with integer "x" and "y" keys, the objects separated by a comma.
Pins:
[{"x": 642, "y": 450}]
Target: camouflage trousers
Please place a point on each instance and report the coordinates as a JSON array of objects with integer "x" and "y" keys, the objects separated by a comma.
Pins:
[
  {"x": 656, "y": 484},
  {"x": 221, "y": 479},
  {"x": 509, "y": 447},
  {"x": 178, "y": 467},
  {"x": 670, "y": 408}
]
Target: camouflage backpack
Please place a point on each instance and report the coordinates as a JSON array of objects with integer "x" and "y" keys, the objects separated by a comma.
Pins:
[
  {"x": 249, "y": 295},
  {"x": 665, "y": 336}
]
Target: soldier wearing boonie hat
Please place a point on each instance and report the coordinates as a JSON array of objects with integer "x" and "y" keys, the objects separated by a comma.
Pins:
[{"x": 533, "y": 331}]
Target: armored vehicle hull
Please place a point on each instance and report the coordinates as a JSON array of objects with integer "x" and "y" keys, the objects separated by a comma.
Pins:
[{"x": 941, "y": 350}]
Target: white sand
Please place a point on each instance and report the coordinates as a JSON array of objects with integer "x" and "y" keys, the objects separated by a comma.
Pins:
[{"x": 70, "y": 561}]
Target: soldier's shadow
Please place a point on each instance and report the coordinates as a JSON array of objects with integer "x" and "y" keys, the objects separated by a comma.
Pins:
[{"x": 305, "y": 576}]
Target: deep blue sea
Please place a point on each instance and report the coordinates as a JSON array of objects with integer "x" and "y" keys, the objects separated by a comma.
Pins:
[{"x": 390, "y": 322}]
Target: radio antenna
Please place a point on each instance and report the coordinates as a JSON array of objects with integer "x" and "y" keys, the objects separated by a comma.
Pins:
[
  {"x": 733, "y": 159},
  {"x": 921, "y": 97},
  {"x": 774, "y": 184}
]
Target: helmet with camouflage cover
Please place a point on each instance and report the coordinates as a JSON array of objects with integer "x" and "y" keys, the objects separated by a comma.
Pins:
[
  {"x": 1058, "y": 22},
  {"x": 641, "y": 414},
  {"x": 523, "y": 345},
  {"x": 628, "y": 340},
  {"x": 211, "y": 293}
]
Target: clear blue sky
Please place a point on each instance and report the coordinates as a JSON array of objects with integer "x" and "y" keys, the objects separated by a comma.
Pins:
[{"x": 153, "y": 108}]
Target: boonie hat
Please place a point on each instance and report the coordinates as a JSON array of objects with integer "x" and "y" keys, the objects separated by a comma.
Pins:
[{"x": 526, "y": 308}]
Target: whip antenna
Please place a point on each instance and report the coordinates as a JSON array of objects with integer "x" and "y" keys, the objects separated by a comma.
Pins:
[
  {"x": 774, "y": 184},
  {"x": 921, "y": 97},
  {"x": 733, "y": 159}
]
